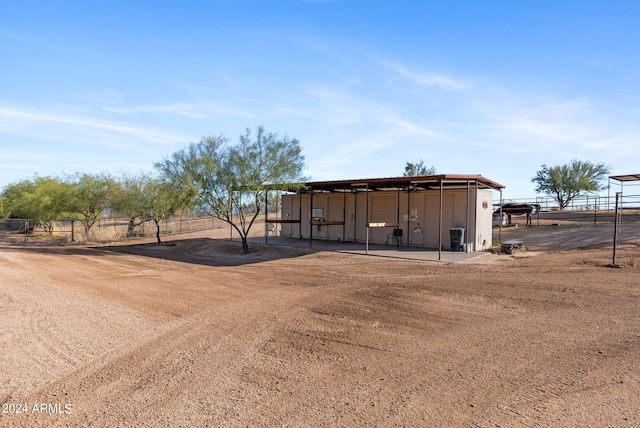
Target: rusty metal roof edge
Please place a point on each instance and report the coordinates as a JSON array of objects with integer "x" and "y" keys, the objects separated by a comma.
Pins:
[
  {"x": 626, "y": 177},
  {"x": 394, "y": 181}
]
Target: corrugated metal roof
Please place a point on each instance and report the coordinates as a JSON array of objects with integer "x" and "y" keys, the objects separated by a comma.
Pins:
[
  {"x": 395, "y": 183},
  {"x": 626, "y": 177}
]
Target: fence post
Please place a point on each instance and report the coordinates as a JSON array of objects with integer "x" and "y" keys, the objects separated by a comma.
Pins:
[{"x": 615, "y": 231}]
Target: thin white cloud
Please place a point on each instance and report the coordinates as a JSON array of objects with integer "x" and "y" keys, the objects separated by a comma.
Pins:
[
  {"x": 410, "y": 129},
  {"x": 212, "y": 107},
  {"x": 322, "y": 1},
  {"x": 425, "y": 80},
  {"x": 547, "y": 132},
  {"x": 337, "y": 108},
  {"x": 20, "y": 155},
  {"x": 53, "y": 125},
  {"x": 186, "y": 110},
  {"x": 551, "y": 129},
  {"x": 315, "y": 44},
  {"x": 201, "y": 109},
  {"x": 295, "y": 112},
  {"x": 385, "y": 132}
]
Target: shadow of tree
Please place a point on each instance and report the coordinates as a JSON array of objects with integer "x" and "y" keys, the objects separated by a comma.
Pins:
[{"x": 202, "y": 251}]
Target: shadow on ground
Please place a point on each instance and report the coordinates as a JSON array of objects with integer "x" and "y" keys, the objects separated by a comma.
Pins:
[
  {"x": 202, "y": 251},
  {"x": 567, "y": 237},
  {"x": 208, "y": 251}
]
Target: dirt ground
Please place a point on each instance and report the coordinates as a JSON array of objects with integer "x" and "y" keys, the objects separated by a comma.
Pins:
[{"x": 194, "y": 334}]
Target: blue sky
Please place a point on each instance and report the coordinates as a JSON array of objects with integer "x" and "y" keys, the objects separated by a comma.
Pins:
[{"x": 496, "y": 88}]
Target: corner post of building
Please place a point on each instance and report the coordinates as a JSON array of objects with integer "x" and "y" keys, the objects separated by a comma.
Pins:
[
  {"x": 500, "y": 222},
  {"x": 366, "y": 245},
  {"x": 475, "y": 218},
  {"x": 398, "y": 217},
  {"x": 466, "y": 215},
  {"x": 344, "y": 216},
  {"x": 440, "y": 222},
  {"x": 408, "y": 214},
  {"x": 266, "y": 216},
  {"x": 355, "y": 213},
  {"x": 300, "y": 212},
  {"x": 310, "y": 216}
]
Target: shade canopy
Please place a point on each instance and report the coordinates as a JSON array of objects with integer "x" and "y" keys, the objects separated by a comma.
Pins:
[
  {"x": 426, "y": 182},
  {"x": 626, "y": 177}
]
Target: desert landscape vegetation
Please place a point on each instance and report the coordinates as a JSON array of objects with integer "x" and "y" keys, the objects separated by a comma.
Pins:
[
  {"x": 192, "y": 333},
  {"x": 319, "y": 213}
]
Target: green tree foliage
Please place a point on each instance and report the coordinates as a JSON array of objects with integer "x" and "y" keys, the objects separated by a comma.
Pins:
[
  {"x": 40, "y": 199},
  {"x": 162, "y": 199},
  {"x": 418, "y": 169},
  {"x": 231, "y": 180},
  {"x": 91, "y": 195},
  {"x": 143, "y": 198},
  {"x": 129, "y": 199},
  {"x": 565, "y": 182}
]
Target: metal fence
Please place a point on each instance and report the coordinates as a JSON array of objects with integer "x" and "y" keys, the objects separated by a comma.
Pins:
[
  {"x": 15, "y": 229},
  {"x": 104, "y": 229},
  {"x": 594, "y": 209},
  {"x": 581, "y": 203}
]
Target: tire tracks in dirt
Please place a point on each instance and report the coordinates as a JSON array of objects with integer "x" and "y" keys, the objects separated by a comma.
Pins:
[{"x": 173, "y": 373}]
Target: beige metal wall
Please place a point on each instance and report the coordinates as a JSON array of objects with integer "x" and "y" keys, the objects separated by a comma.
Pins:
[{"x": 417, "y": 213}]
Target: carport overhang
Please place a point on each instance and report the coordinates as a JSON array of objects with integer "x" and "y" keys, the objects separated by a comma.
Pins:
[
  {"x": 427, "y": 182},
  {"x": 621, "y": 179},
  {"x": 625, "y": 178}
]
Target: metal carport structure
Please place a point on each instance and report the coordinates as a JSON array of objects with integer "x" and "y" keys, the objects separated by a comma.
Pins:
[
  {"x": 622, "y": 179},
  {"x": 408, "y": 185}
]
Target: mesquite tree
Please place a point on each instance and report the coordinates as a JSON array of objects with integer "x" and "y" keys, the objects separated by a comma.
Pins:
[
  {"x": 43, "y": 200},
  {"x": 231, "y": 180},
  {"x": 418, "y": 169},
  {"x": 91, "y": 195},
  {"x": 565, "y": 182}
]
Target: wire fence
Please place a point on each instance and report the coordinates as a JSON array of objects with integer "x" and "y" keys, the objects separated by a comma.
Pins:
[
  {"x": 104, "y": 229},
  {"x": 109, "y": 229},
  {"x": 588, "y": 209},
  {"x": 581, "y": 203},
  {"x": 585, "y": 210}
]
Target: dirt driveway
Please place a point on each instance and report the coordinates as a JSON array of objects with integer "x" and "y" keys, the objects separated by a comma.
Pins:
[{"x": 193, "y": 334}]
